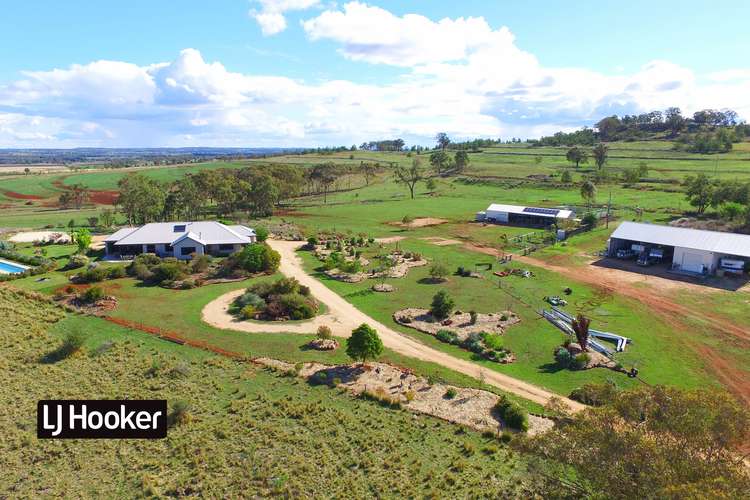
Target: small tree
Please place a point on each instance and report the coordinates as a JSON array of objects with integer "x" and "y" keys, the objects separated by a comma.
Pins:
[
  {"x": 600, "y": 154},
  {"x": 442, "y": 305},
  {"x": 565, "y": 177},
  {"x": 588, "y": 192},
  {"x": 438, "y": 271},
  {"x": 410, "y": 176},
  {"x": 364, "y": 343},
  {"x": 82, "y": 238},
  {"x": 577, "y": 155},
  {"x": 581, "y": 327}
]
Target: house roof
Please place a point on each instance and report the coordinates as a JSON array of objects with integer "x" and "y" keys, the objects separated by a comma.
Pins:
[
  {"x": 205, "y": 232},
  {"x": 539, "y": 212},
  {"x": 120, "y": 234},
  {"x": 695, "y": 239}
]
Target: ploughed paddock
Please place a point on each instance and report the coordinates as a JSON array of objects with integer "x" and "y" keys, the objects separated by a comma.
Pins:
[{"x": 179, "y": 239}]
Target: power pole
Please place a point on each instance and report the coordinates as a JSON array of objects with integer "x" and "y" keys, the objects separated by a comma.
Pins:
[{"x": 609, "y": 206}]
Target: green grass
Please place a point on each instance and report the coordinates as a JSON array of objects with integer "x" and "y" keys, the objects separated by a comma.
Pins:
[
  {"x": 243, "y": 422},
  {"x": 659, "y": 359}
]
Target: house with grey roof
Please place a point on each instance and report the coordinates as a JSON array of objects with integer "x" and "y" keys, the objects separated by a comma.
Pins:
[{"x": 179, "y": 239}]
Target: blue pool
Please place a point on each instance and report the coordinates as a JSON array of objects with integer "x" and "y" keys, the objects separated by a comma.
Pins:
[{"x": 10, "y": 268}]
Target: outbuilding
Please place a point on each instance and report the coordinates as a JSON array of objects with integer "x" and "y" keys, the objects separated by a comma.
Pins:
[
  {"x": 685, "y": 250},
  {"x": 523, "y": 216}
]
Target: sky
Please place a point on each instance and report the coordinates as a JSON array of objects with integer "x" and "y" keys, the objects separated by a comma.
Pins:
[{"x": 304, "y": 73}]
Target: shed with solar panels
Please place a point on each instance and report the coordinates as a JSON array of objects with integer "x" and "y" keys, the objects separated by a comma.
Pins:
[{"x": 524, "y": 216}]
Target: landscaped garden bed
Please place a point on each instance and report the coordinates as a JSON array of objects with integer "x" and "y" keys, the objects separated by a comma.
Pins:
[
  {"x": 478, "y": 333},
  {"x": 282, "y": 300}
]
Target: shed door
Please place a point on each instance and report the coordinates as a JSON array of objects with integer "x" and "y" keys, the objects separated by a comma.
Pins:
[{"x": 692, "y": 262}]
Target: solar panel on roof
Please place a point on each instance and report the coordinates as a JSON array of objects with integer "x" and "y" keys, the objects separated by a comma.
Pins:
[{"x": 542, "y": 211}]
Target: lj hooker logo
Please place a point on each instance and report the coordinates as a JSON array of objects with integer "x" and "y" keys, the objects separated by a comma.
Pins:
[{"x": 101, "y": 419}]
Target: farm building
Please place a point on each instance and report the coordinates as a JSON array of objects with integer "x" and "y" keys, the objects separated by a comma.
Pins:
[
  {"x": 688, "y": 251},
  {"x": 523, "y": 216},
  {"x": 179, "y": 239}
]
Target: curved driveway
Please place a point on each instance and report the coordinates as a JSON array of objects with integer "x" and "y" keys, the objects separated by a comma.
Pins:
[{"x": 343, "y": 317}]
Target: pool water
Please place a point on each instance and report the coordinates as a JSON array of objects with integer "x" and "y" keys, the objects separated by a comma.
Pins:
[{"x": 10, "y": 268}]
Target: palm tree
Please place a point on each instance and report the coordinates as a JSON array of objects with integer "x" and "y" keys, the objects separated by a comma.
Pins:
[{"x": 588, "y": 192}]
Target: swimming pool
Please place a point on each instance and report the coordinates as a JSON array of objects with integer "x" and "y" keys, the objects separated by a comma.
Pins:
[{"x": 8, "y": 267}]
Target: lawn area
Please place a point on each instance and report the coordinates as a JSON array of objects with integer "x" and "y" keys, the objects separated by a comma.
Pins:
[
  {"x": 534, "y": 339},
  {"x": 241, "y": 422}
]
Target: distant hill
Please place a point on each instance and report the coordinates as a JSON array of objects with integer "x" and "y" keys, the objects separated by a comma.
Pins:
[{"x": 707, "y": 131}]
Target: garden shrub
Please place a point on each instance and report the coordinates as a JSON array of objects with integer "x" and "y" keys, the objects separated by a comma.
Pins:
[
  {"x": 255, "y": 258},
  {"x": 446, "y": 336},
  {"x": 473, "y": 317},
  {"x": 76, "y": 261},
  {"x": 493, "y": 341},
  {"x": 581, "y": 360},
  {"x": 250, "y": 299},
  {"x": 442, "y": 305},
  {"x": 450, "y": 393},
  {"x": 512, "y": 414},
  {"x": 563, "y": 357},
  {"x": 248, "y": 312},
  {"x": 92, "y": 294},
  {"x": 200, "y": 263},
  {"x": 92, "y": 275},
  {"x": 169, "y": 271},
  {"x": 324, "y": 332}
]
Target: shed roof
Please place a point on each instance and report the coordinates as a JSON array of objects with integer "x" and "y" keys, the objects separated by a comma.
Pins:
[
  {"x": 557, "y": 213},
  {"x": 206, "y": 232},
  {"x": 695, "y": 239}
]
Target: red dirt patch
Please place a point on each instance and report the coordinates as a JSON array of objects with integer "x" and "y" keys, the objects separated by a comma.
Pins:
[
  {"x": 104, "y": 197},
  {"x": 21, "y": 196}
]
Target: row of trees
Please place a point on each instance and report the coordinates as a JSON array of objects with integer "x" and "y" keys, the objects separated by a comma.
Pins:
[
  {"x": 222, "y": 192},
  {"x": 442, "y": 164}
]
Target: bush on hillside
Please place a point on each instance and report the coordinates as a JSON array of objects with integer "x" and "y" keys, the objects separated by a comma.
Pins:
[
  {"x": 595, "y": 394},
  {"x": 512, "y": 414},
  {"x": 76, "y": 261}
]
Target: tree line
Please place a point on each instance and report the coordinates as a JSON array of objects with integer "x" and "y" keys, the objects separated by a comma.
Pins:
[{"x": 698, "y": 130}]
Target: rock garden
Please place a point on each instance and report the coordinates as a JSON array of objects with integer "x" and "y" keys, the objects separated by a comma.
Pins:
[
  {"x": 479, "y": 333},
  {"x": 344, "y": 258}
]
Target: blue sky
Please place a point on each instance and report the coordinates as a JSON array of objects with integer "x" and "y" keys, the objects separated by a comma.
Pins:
[{"x": 309, "y": 72}]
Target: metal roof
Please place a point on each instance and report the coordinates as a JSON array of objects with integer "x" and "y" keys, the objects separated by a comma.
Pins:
[
  {"x": 695, "y": 239},
  {"x": 206, "y": 232},
  {"x": 120, "y": 234},
  {"x": 536, "y": 211}
]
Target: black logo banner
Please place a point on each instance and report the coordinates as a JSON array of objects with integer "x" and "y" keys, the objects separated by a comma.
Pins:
[{"x": 101, "y": 419}]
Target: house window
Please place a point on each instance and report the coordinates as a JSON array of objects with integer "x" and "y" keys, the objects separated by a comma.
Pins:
[
  {"x": 150, "y": 248},
  {"x": 187, "y": 250},
  {"x": 168, "y": 248},
  {"x": 226, "y": 247}
]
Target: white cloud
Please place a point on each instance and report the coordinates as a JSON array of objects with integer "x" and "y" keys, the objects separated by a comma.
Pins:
[
  {"x": 463, "y": 77},
  {"x": 375, "y": 35},
  {"x": 270, "y": 16}
]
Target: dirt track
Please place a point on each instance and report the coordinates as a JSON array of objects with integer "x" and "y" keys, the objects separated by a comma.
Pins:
[{"x": 346, "y": 317}]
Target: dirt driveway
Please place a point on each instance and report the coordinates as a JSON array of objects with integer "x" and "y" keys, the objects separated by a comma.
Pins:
[{"x": 346, "y": 317}]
